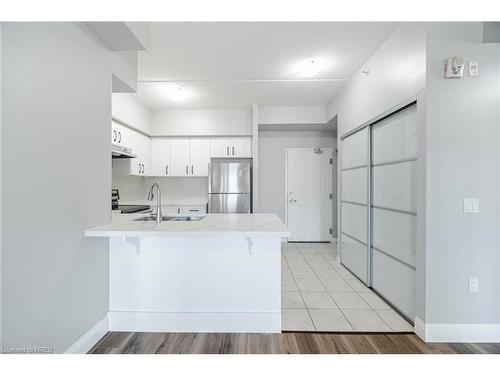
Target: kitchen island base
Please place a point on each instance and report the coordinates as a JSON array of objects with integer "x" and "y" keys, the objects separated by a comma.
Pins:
[{"x": 195, "y": 284}]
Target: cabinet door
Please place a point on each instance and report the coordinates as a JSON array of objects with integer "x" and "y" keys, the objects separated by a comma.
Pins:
[
  {"x": 146, "y": 155},
  {"x": 200, "y": 157},
  {"x": 160, "y": 148},
  {"x": 241, "y": 147},
  {"x": 220, "y": 147},
  {"x": 179, "y": 157},
  {"x": 137, "y": 146},
  {"x": 114, "y": 133}
]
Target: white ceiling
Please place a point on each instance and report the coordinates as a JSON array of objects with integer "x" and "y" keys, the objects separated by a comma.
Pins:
[{"x": 234, "y": 65}]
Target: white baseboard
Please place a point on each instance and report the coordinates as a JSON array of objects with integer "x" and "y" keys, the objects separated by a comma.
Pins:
[
  {"x": 419, "y": 328},
  {"x": 251, "y": 322},
  {"x": 90, "y": 338},
  {"x": 457, "y": 332}
]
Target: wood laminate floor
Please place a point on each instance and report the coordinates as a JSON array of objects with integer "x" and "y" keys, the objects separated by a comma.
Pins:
[{"x": 284, "y": 343}]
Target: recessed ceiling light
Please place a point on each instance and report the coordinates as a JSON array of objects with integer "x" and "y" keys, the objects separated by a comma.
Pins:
[
  {"x": 173, "y": 92},
  {"x": 310, "y": 67}
]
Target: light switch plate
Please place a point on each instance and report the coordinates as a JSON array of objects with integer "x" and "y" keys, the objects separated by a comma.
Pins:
[
  {"x": 473, "y": 284},
  {"x": 471, "y": 205},
  {"x": 473, "y": 68}
]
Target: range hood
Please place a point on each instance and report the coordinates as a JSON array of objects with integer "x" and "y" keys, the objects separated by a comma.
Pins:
[{"x": 120, "y": 152}]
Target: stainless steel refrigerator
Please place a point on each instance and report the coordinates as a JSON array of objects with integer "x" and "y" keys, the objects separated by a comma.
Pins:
[{"x": 230, "y": 185}]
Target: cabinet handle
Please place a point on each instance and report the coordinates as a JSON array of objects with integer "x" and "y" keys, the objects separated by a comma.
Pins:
[
  {"x": 187, "y": 170},
  {"x": 139, "y": 167},
  {"x": 114, "y": 135},
  {"x": 192, "y": 170},
  {"x": 143, "y": 169},
  {"x": 166, "y": 169},
  {"x": 178, "y": 210},
  {"x": 119, "y": 137},
  {"x": 227, "y": 151},
  {"x": 233, "y": 150}
]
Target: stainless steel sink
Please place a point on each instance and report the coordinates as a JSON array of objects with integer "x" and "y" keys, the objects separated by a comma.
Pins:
[{"x": 171, "y": 218}]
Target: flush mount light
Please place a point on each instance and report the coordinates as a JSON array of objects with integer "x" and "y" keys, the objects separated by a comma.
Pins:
[
  {"x": 173, "y": 92},
  {"x": 310, "y": 67}
]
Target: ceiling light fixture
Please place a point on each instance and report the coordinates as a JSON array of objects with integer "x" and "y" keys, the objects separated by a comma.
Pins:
[
  {"x": 174, "y": 92},
  {"x": 310, "y": 68}
]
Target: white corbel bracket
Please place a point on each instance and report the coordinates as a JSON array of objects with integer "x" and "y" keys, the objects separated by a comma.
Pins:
[
  {"x": 135, "y": 242},
  {"x": 250, "y": 245}
]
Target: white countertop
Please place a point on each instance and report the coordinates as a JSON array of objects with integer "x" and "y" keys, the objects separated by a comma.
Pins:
[{"x": 212, "y": 225}]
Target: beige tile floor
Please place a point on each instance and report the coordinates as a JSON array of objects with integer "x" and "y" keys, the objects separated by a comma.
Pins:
[{"x": 319, "y": 294}]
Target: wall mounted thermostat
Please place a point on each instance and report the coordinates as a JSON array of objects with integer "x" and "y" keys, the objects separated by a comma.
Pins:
[
  {"x": 454, "y": 67},
  {"x": 473, "y": 68}
]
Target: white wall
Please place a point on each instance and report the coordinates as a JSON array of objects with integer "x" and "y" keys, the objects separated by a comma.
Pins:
[
  {"x": 201, "y": 122},
  {"x": 127, "y": 109},
  {"x": 293, "y": 115},
  {"x": 463, "y": 160},
  {"x": 1, "y": 131},
  {"x": 56, "y": 181},
  {"x": 396, "y": 73},
  {"x": 272, "y": 145}
]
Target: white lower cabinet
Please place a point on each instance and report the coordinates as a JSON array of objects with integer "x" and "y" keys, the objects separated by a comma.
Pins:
[{"x": 183, "y": 210}]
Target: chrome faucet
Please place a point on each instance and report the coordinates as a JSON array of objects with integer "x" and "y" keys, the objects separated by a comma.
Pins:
[{"x": 151, "y": 196}]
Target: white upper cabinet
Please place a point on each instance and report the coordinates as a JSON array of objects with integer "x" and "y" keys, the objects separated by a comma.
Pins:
[
  {"x": 120, "y": 135},
  {"x": 180, "y": 156},
  {"x": 160, "y": 157},
  {"x": 238, "y": 147},
  {"x": 241, "y": 147},
  {"x": 219, "y": 147},
  {"x": 139, "y": 166},
  {"x": 141, "y": 146},
  {"x": 180, "y": 161},
  {"x": 200, "y": 156}
]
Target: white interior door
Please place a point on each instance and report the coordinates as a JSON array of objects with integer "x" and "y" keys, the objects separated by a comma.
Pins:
[
  {"x": 354, "y": 204},
  {"x": 309, "y": 184}
]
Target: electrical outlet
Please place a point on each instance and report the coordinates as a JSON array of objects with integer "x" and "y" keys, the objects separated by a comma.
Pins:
[
  {"x": 471, "y": 205},
  {"x": 473, "y": 284}
]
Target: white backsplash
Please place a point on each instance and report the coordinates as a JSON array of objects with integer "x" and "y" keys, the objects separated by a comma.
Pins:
[{"x": 134, "y": 188}]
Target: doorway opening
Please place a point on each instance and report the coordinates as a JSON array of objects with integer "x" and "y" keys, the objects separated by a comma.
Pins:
[{"x": 309, "y": 194}]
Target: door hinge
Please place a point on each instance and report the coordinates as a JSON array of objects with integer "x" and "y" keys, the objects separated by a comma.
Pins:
[
  {"x": 330, "y": 196},
  {"x": 331, "y": 161},
  {"x": 330, "y": 230}
]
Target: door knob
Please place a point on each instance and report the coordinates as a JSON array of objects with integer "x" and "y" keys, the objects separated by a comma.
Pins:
[{"x": 291, "y": 200}]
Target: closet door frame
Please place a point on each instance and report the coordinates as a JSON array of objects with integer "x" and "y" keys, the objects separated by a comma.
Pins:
[{"x": 369, "y": 124}]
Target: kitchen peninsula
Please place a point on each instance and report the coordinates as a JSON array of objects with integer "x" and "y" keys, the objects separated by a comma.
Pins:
[{"x": 219, "y": 274}]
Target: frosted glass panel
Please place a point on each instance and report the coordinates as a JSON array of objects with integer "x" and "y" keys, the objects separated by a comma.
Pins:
[
  {"x": 395, "y": 138},
  {"x": 354, "y": 257},
  {"x": 354, "y": 185},
  {"x": 355, "y": 149},
  {"x": 394, "y": 281},
  {"x": 394, "y": 186},
  {"x": 395, "y": 234},
  {"x": 354, "y": 221}
]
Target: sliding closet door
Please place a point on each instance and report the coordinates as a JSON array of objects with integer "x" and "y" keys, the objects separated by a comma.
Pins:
[
  {"x": 354, "y": 204},
  {"x": 394, "y": 206}
]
